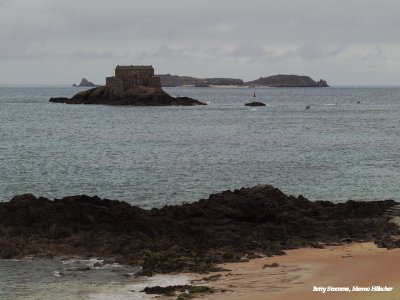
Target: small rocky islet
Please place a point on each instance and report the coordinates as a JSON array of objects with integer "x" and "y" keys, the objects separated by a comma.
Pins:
[
  {"x": 84, "y": 83},
  {"x": 131, "y": 85},
  {"x": 255, "y": 103},
  {"x": 226, "y": 227}
]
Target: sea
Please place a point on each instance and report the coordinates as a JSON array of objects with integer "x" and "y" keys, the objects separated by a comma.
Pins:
[{"x": 345, "y": 146}]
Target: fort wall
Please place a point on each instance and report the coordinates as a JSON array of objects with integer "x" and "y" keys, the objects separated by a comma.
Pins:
[
  {"x": 131, "y": 76},
  {"x": 114, "y": 83}
]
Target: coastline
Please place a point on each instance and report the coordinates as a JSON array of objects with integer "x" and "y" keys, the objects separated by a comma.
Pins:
[
  {"x": 356, "y": 264},
  {"x": 291, "y": 276},
  {"x": 259, "y": 225}
]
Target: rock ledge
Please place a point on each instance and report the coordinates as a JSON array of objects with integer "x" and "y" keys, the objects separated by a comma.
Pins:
[
  {"x": 138, "y": 96},
  {"x": 190, "y": 237}
]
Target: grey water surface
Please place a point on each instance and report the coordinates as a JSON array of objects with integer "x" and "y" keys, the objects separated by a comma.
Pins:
[{"x": 346, "y": 146}]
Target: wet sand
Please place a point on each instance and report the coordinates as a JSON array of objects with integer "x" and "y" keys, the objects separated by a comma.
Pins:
[{"x": 359, "y": 264}]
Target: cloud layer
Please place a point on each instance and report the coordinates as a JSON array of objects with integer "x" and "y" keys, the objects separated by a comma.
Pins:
[{"x": 345, "y": 42}]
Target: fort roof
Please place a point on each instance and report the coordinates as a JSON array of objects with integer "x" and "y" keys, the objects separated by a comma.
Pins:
[{"x": 134, "y": 67}]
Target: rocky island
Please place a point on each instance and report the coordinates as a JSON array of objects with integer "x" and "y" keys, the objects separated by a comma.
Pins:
[
  {"x": 84, "y": 83},
  {"x": 270, "y": 81},
  {"x": 255, "y": 103},
  {"x": 189, "y": 237},
  {"x": 287, "y": 81},
  {"x": 131, "y": 85}
]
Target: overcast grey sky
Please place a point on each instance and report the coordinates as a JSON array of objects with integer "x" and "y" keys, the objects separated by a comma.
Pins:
[{"x": 59, "y": 41}]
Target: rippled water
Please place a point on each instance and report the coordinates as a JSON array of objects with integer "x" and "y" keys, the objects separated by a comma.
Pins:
[
  {"x": 150, "y": 156},
  {"x": 28, "y": 279},
  {"x": 75, "y": 279}
]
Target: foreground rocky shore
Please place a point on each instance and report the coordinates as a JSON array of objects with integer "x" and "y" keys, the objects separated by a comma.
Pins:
[
  {"x": 139, "y": 96},
  {"x": 190, "y": 237}
]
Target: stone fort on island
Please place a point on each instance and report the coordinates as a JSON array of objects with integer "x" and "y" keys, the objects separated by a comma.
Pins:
[{"x": 127, "y": 77}]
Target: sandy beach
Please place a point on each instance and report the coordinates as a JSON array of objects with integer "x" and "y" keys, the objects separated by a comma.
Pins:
[{"x": 360, "y": 264}]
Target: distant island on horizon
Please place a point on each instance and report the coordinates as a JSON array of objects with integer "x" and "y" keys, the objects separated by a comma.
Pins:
[
  {"x": 84, "y": 83},
  {"x": 280, "y": 80}
]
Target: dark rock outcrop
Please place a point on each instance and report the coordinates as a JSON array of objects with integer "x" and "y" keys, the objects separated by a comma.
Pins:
[
  {"x": 138, "y": 96},
  {"x": 59, "y": 100},
  {"x": 255, "y": 103},
  {"x": 287, "y": 81},
  {"x": 184, "y": 291},
  {"x": 85, "y": 83},
  {"x": 195, "y": 236}
]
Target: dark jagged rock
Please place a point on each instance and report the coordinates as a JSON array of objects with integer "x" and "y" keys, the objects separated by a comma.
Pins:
[
  {"x": 287, "y": 81},
  {"x": 187, "y": 291},
  {"x": 255, "y": 103},
  {"x": 85, "y": 83},
  {"x": 138, "y": 96},
  {"x": 273, "y": 265},
  {"x": 59, "y": 100},
  {"x": 225, "y": 227}
]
